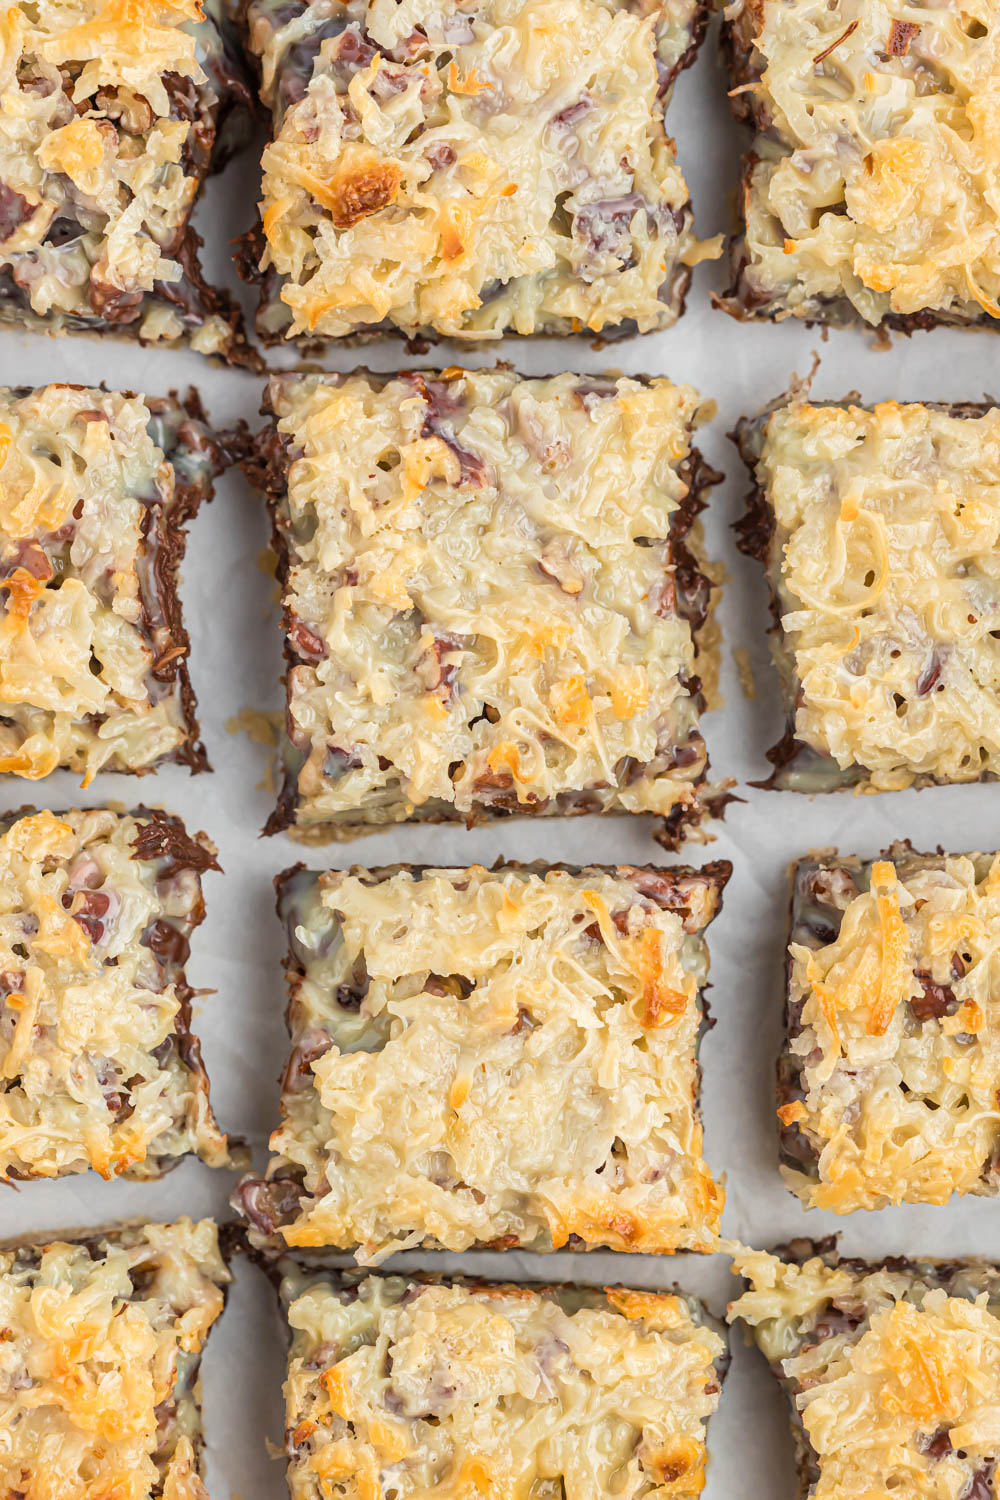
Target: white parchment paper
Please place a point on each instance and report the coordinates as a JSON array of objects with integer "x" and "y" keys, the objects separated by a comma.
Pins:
[{"x": 230, "y": 607}]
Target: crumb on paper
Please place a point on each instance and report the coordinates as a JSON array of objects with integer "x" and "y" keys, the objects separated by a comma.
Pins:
[
  {"x": 704, "y": 250},
  {"x": 262, "y": 725},
  {"x": 744, "y": 671},
  {"x": 267, "y": 563}
]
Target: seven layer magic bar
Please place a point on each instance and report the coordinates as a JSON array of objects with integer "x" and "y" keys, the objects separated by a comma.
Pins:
[
  {"x": 99, "y": 1066},
  {"x": 432, "y": 1387},
  {"x": 102, "y": 1341},
  {"x": 96, "y": 488},
  {"x": 494, "y": 598},
  {"x": 525, "y": 1043},
  {"x": 867, "y": 189},
  {"x": 470, "y": 173},
  {"x": 887, "y": 1082},
  {"x": 879, "y": 529},
  {"x": 891, "y": 1368},
  {"x": 112, "y": 115}
]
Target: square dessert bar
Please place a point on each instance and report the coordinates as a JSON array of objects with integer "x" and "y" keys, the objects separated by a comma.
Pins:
[
  {"x": 95, "y": 491},
  {"x": 880, "y": 533},
  {"x": 868, "y": 188},
  {"x": 891, "y": 1368},
  {"x": 467, "y": 1388},
  {"x": 887, "y": 1086},
  {"x": 112, "y": 114},
  {"x": 500, "y": 1057},
  {"x": 471, "y": 171},
  {"x": 102, "y": 1339},
  {"x": 97, "y": 1060},
  {"x": 493, "y": 600}
]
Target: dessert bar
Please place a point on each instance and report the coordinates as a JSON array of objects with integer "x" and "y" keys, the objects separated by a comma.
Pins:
[
  {"x": 891, "y": 1368},
  {"x": 878, "y": 528},
  {"x": 887, "y": 1083},
  {"x": 112, "y": 115},
  {"x": 470, "y": 172},
  {"x": 500, "y": 1057},
  {"x": 494, "y": 597},
  {"x": 868, "y": 187},
  {"x": 102, "y": 1340},
  {"x": 465, "y": 1387},
  {"x": 98, "y": 1064},
  {"x": 96, "y": 488}
]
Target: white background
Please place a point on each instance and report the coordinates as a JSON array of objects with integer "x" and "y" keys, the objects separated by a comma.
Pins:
[{"x": 231, "y": 613}]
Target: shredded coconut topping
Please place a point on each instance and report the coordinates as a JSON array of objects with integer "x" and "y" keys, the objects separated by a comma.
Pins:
[
  {"x": 505, "y": 1057},
  {"x": 99, "y": 1350},
  {"x": 92, "y": 671},
  {"x": 499, "y": 1390},
  {"x": 883, "y": 562},
  {"x": 869, "y": 191},
  {"x": 97, "y": 1065},
  {"x": 490, "y": 602},
  {"x": 894, "y": 1044},
  {"x": 473, "y": 171},
  {"x": 893, "y": 1371}
]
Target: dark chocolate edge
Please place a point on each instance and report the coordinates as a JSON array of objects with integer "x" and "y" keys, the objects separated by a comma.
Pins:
[
  {"x": 169, "y": 525},
  {"x": 230, "y": 121},
  {"x": 931, "y": 1270},
  {"x": 194, "y": 852},
  {"x": 703, "y": 13},
  {"x": 754, "y": 534},
  {"x": 700, "y": 478},
  {"x": 788, "y": 1066},
  {"x": 265, "y": 464},
  {"x": 204, "y": 301},
  {"x": 111, "y": 1230}
]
